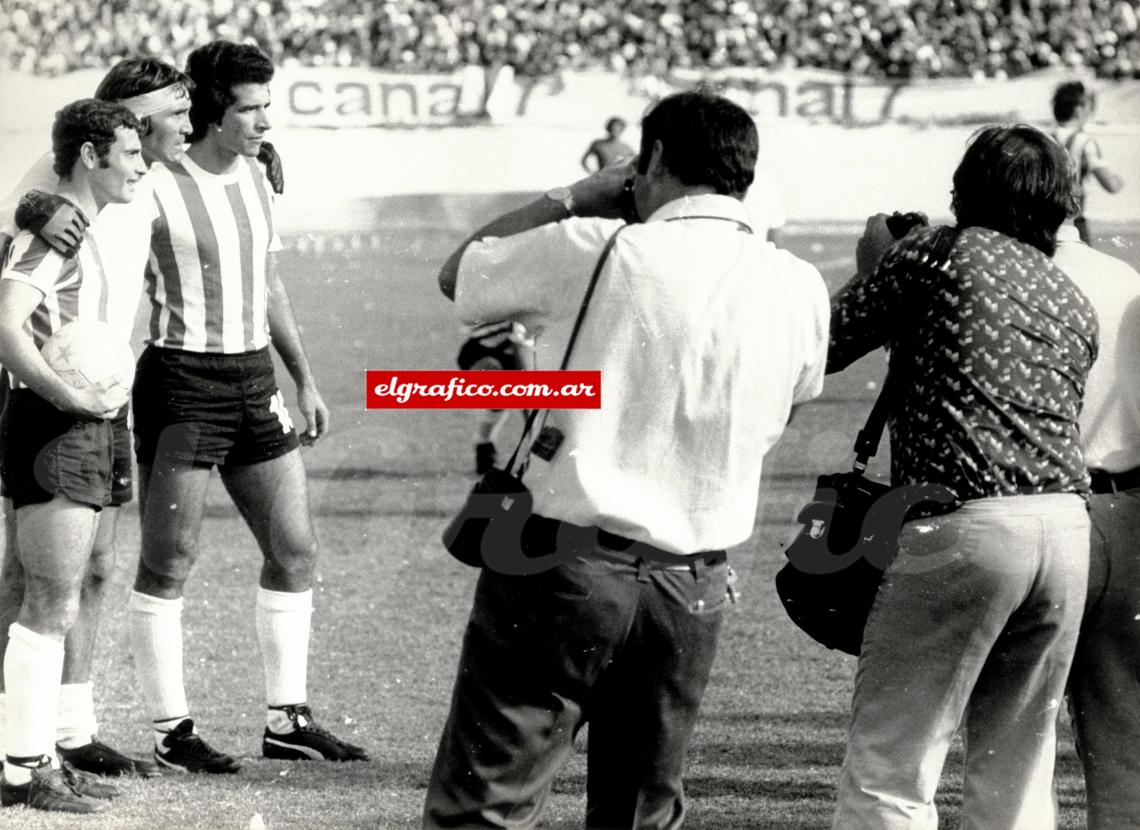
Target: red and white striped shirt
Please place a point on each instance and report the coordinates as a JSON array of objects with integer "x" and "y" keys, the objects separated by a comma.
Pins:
[
  {"x": 73, "y": 289},
  {"x": 207, "y": 274}
]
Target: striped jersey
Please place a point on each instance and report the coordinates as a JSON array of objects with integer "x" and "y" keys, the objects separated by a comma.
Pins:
[
  {"x": 73, "y": 289},
  {"x": 121, "y": 229},
  {"x": 207, "y": 273}
]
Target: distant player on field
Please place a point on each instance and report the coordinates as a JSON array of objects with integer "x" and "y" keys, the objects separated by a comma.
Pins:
[
  {"x": 157, "y": 94},
  {"x": 1073, "y": 106},
  {"x": 205, "y": 396},
  {"x": 56, "y": 448},
  {"x": 606, "y": 150}
]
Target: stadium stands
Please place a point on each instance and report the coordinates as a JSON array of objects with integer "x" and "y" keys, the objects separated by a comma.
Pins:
[{"x": 892, "y": 38}]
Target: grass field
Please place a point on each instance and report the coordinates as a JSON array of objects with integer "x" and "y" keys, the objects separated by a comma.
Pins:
[{"x": 391, "y": 605}]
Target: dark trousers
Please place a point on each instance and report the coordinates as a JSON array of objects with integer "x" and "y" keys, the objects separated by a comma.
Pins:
[
  {"x": 622, "y": 645},
  {"x": 1104, "y": 686}
]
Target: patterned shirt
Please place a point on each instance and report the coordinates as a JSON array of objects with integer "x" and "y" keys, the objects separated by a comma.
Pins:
[
  {"x": 991, "y": 350},
  {"x": 73, "y": 289},
  {"x": 207, "y": 274}
]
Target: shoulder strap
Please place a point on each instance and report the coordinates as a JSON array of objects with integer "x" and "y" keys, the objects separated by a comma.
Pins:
[
  {"x": 867, "y": 441},
  {"x": 533, "y": 414}
]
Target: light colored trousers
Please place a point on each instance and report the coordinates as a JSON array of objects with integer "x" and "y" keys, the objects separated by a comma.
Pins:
[{"x": 976, "y": 620}]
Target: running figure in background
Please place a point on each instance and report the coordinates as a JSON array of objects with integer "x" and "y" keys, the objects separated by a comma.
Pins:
[
  {"x": 605, "y": 151},
  {"x": 1073, "y": 106}
]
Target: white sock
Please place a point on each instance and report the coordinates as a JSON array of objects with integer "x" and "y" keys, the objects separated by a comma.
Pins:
[
  {"x": 283, "y": 624},
  {"x": 76, "y": 725},
  {"x": 33, "y": 666},
  {"x": 156, "y": 638}
]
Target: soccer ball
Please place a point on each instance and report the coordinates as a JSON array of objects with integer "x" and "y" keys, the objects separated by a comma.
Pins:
[{"x": 89, "y": 353}]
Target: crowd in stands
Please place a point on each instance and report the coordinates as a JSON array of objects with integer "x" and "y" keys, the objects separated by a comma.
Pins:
[{"x": 894, "y": 38}]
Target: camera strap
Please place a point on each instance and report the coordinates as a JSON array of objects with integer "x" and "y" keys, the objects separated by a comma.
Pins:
[
  {"x": 867, "y": 441},
  {"x": 533, "y": 414}
]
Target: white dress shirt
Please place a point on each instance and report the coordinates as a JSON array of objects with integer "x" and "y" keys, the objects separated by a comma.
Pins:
[
  {"x": 1110, "y": 418},
  {"x": 705, "y": 336}
]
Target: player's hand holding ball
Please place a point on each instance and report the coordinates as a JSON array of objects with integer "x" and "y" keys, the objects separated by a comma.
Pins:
[{"x": 93, "y": 362}]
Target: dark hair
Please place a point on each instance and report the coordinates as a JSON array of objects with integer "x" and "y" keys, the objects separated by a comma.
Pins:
[
  {"x": 1066, "y": 98},
  {"x": 706, "y": 140},
  {"x": 216, "y": 69},
  {"x": 613, "y": 122},
  {"x": 138, "y": 76},
  {"x": 87, "y": 120},
  {"x": 1016, "y": 180}
]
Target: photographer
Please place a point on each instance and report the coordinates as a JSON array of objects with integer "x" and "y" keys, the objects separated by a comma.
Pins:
[
  {"x": 977, "y": 617},
  {"x": 706, "y": 337}
]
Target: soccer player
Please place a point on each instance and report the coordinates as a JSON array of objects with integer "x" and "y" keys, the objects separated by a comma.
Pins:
[
  {"x": 157, "y": 94},
  {"x": 56, "y": 455},
  {"x": 1073, "y": 106},
  {"x": 205, "y": 396},
  {"x": 609, "y": 148}
]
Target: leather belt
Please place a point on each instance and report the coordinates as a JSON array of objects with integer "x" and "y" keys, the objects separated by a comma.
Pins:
[
  {"x": 620, "y": 549},
  {"x": 543, "y": 534},
  {"x": 1105, "y": 482}
]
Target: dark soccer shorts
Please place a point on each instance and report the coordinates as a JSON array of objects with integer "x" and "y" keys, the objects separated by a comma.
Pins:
[
  {"x": 209, "y": 409},
  {"x": 45, "y": 452}
]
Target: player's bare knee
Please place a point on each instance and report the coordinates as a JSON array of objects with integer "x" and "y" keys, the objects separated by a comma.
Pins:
[
  {"x": 165, "y": 566},
  {"x": 50, "y": 607},
  {"x": 155, "y": 584},
  {"x": 296, "y": 562}
]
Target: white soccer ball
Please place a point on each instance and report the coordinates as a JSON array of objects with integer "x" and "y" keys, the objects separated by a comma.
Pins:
[{"x": 91, "y": 353}]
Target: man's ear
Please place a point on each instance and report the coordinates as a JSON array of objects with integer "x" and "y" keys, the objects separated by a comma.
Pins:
[
  {"x": 656, "y": 165},
  {"x": 88, "y": 155}
]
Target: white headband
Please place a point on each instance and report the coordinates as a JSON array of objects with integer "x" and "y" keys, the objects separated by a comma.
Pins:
[{"x": 154, "y": 102}]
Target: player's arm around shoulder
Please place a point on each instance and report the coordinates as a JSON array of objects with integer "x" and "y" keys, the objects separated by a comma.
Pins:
[{"x": 286, "y": 337}]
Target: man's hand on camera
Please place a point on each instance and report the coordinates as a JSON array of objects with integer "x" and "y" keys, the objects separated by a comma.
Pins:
[
  {"x": 599, "y": 194},
  {"x": 875, "y": 241}
]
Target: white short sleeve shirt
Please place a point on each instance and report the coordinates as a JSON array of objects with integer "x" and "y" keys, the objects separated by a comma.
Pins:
[
  {"x": 1110, "y": 418},
  {"x": 705, "y": 335}
]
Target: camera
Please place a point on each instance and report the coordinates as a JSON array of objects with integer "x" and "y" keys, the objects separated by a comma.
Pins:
[{"x": 900, "y": 224}]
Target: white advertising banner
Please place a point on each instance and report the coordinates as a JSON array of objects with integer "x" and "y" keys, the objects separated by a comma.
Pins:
[
  {"x": 809, "y": 96},
  {"x": 361, "y": 97}
]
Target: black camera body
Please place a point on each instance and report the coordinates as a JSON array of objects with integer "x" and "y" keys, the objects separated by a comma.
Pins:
[{"x": 900, "y": 224}]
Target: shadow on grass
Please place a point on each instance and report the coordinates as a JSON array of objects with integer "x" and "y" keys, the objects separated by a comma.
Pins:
[
  {"x": 781, "y": 720},
  {"x": 342, "y": 473},
  {"x": 366, "y": 512}
]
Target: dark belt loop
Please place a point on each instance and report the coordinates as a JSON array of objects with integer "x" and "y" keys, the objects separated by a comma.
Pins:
[{"x": 642, "y": 570}]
